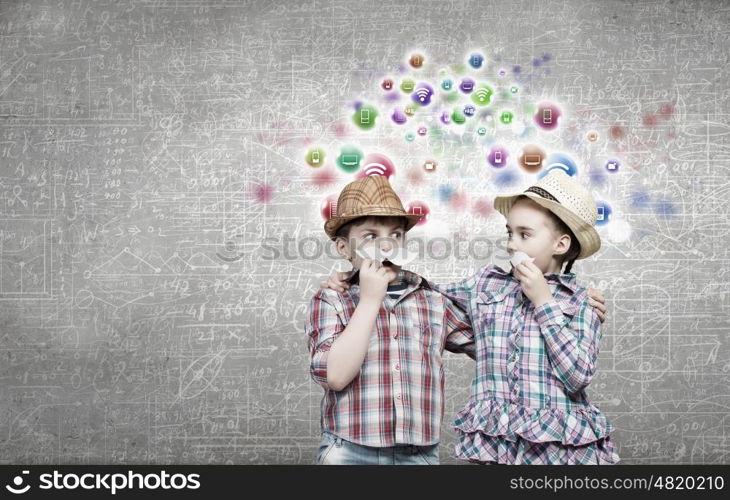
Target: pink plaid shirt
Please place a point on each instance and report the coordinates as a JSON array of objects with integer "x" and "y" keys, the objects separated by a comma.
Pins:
[{"x": 398, "y": 397}]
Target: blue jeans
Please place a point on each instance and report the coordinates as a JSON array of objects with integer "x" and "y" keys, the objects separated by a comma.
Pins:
[{"x": 334, "y": 450}]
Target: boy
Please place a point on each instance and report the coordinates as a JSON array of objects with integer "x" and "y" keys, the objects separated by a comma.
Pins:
[{"x": 376, "y": 349}]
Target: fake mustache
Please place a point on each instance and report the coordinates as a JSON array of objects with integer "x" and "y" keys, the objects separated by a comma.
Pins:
[
  {"x": 519, "y": 257},
  {"x": 397, "y": 256}
]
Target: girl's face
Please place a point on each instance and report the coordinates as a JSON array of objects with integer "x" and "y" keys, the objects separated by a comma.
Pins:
[{"x": 530, "y": 230}]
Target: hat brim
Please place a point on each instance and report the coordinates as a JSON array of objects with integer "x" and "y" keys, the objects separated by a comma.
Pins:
[
  {"x": 590, "y": 241},
  {"x": 334, "y": 223}
]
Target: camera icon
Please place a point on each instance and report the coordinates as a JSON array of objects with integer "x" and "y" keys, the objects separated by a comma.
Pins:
[{"x": 18, "y": 489}]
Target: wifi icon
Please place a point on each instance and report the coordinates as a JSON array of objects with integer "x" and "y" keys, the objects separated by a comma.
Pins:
[
  {"x": 559, "y": 161},
  {"x": 376, "y": 164},
  {"x": 375, "y": 169},
  {"x": 422, "y": 95},
  {"x": 482, "y": 95}
]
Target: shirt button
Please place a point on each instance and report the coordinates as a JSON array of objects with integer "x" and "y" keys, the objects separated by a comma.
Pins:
[
  {"x": 397, "y": 367},
  {"x": 398, "y": 396}
]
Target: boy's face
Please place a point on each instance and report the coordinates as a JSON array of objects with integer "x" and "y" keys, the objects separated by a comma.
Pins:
[
  {"x": 530, "y": 230},
  {"x": 372, "y": 233}
]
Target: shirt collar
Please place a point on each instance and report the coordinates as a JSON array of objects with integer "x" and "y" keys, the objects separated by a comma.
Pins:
[
  {"x": 496, "y": 290},
  {"x": 568, "y": 280},
  {"x": 411, "y": 278}
]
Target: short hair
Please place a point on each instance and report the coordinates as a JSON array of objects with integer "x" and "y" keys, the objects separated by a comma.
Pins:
[
  {"x": 344, "y": 230},
  {"x": 569, "y": 257}
]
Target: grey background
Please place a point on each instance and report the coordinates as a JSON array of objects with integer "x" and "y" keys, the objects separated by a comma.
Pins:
[{"x": 140, "y": 320}]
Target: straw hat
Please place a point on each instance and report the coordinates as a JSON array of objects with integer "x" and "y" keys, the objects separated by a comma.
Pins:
[
  {"x": 370, "y": 195},
  {"x": 564, "y": 196}
]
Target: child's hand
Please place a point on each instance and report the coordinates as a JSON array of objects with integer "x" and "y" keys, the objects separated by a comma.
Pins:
[
  {"x": 336, "y": 281},
  {"x": 598, "y": 301},
  {"x": 374, "y": 280},
  {"x": 534, "y": 285}
]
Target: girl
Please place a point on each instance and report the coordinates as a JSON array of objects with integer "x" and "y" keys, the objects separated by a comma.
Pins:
[{"x": 536, "y": 337}]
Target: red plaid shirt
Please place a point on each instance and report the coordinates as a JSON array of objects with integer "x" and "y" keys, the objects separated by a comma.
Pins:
[{"x": 398, "y": 397}]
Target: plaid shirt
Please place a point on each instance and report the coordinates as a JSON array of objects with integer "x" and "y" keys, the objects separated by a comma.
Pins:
[
  {"x": 533, "y": 364},
  {"x": 397, "y": 398}
]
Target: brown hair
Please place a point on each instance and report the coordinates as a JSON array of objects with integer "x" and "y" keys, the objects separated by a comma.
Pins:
[{"x": 344, "y": 230}]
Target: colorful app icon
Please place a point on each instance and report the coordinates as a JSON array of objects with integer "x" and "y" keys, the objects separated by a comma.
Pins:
[
  {"x": 315, "y": 157},
  {"x": 410, "y": 110},
  {"x": 497, "y": 156},
  {"x": 547, "y": 116},
  {"x": 416, "y": 60},
  {"x": 376, "y": 164},
  {"x": 447, "y": 84},
  {"x": 469, "y": 110},
  {"x": 476, "y": 60},
  {"x": 365, "y": 116},
  {"x": 387, "y": 84},
  {"x": 419, "y": 208},
  {"x": 506, "y": 117},
  {"x": 605, "y": 213},
  {"x": 410, "y": 137},
  {"x": 531, "y": 158},
  {"x": 430, "y": 165},
  {"x": 561, "y": 162},
  {"x": 349, "y": 159},
  {"x": 592, "y": 136},
  {"x": 482, "y": 131},
  {"x": 445, "y": 118},
  {"x": 422, "y": 95},
  {"x": 328, "y": 209},
  {"x": 399, "y": 116},
  {"x": 467, "y": 85},
  {"x": 422, "y": 131},
  {"x": 458, "y": 117},
  {"x": 482, "y": 95},
  {"x": 407, "y": 85},
  {"x": 612, "y": 165}
]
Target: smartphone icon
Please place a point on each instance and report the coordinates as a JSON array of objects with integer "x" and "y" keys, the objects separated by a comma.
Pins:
[
  {"x": 497, "y": 157},
  {"x": 547, "y": 116},
  {"x": 315, "y": 157},
  {"x": 365, "y": 116}
]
